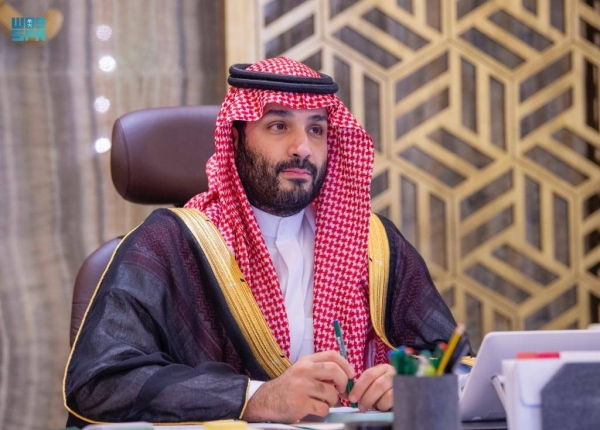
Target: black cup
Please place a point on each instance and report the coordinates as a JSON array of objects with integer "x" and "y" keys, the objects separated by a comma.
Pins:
[{"x": 426, "y": 403}]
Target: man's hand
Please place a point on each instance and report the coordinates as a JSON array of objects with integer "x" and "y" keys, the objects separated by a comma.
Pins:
[
  {"x": 374, "y": 388},
  {"x": 310, "y": 386}
]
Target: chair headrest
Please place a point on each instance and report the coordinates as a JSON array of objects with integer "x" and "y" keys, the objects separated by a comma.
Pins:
[{"x": 159, "y": 155}]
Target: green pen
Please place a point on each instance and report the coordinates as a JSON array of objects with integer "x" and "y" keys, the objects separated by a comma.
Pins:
[
  {"x": 437, "y": 354},
  {"x": 400, "y": 360},
  {"x": 342, "y": 347}
]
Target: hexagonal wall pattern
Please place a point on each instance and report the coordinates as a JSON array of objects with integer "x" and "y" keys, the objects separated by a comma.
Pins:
[{"x": 485, "y": 118}]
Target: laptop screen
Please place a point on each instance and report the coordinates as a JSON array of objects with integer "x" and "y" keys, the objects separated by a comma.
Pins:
[{"x": 479, "y": 400}]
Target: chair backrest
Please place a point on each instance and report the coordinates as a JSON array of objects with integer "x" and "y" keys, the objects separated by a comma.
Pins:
[{"x": 158, "y": 157}]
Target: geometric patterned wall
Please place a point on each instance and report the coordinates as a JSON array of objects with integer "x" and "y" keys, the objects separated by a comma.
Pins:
[{"x": 485, "y": 117}]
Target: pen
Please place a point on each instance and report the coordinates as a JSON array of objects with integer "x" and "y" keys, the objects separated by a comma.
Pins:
[
  {"x": 462, "y": 347},
  {"x": 426, "y": 368},
  {"x": 452, "y": 343},
  {"x": 411, "y": 364},
  {"x": 398, "y": 360},
  {"x": 342, "y": 347},
  {"x": 437, "y": 354}
]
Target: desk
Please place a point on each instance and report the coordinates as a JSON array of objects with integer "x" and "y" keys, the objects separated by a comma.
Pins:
[
  {"x": 336, "y": 420},
  {"x": 343, "y": 415},
  {"x": 485, "y": 425},
  {"x": 313, "y": 425},
  {"x": 325, "y": 426}
]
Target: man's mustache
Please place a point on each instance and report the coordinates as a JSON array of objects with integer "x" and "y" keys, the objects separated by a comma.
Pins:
[{"x": 297, "y": 164}]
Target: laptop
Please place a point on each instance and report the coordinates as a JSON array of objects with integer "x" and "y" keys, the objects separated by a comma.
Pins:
[{"x": 479, "y": 400}]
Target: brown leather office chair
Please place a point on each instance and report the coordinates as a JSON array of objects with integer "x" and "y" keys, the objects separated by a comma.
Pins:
[{"x": 158, "y": 157}]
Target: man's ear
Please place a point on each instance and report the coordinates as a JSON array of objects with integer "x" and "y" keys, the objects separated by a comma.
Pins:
[{"x": 234, "y": 137}]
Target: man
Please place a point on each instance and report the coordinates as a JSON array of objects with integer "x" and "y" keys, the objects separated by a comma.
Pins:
[{"x": 225, "y": 309}]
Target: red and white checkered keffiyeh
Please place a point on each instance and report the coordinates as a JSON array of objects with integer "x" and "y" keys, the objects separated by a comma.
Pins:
[{"x": 343, "y": 209}]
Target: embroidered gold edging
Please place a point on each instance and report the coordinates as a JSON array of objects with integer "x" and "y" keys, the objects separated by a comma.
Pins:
[
  {"x": 379, "y": 262},
  {"x": 246, "y": 400},
  {"x": 379, "y": 258},
  {"x": 79, "y": 331},
  {"x": 239, "y": 298},
  {"x": 77, "y": 338}
]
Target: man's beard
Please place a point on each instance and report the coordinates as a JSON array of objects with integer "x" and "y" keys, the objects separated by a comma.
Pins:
[{"x": 262, "y": 184}]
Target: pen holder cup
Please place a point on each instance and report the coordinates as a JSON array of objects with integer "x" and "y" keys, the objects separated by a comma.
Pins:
[{"x": 426, "y": 403}]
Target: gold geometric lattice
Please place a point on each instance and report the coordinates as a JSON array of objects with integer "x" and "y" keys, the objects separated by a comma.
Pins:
[{"x": 486, "y": 126}]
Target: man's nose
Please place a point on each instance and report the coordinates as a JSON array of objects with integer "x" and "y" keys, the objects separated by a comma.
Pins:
[{"x": 299, "y": 146}]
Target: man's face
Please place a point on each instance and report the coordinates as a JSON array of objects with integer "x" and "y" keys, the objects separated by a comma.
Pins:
[{"x": 282, "y": 159}]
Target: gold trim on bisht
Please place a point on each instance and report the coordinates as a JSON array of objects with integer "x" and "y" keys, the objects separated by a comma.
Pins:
[
  {"x": 64, "y": 384},
  {"x": 379, "y": 265},
  {"x": 379, "y": 258},
  {"x": 243, "y": 305},
  {"x": 237, "y": 293}
]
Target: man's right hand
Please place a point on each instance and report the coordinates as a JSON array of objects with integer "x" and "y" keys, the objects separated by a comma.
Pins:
[{"x": 309, "y": 387}]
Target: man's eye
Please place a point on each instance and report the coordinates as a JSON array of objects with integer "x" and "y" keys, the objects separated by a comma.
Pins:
[
  {"x": 316, "y": 130},
  {"x": 277, "y": 126}
]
